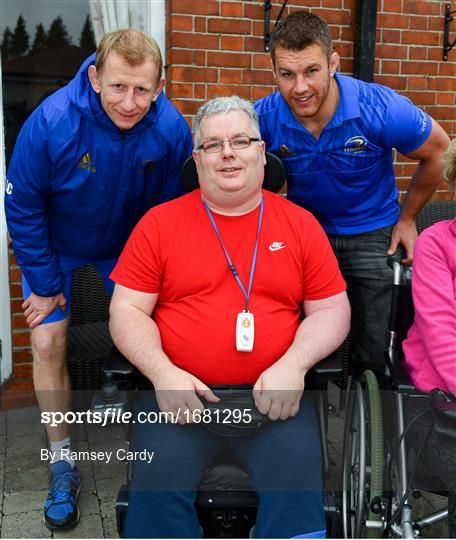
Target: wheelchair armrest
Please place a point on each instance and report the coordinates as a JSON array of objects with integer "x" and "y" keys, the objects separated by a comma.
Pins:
[
  {"x": 401, "y": 378},
  {"x": 329, "y": 369},
  {"x": 117, "y": 364}
]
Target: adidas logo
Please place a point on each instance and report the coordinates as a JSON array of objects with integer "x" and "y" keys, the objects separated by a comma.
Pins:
[{"x": 86, "y": 163}]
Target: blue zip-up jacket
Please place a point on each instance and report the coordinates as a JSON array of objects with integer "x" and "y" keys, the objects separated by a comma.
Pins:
[{"x": 77, "y": 185}]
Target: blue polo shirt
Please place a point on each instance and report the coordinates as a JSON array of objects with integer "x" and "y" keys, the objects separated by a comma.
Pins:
[{"x": 346, "y": 177}]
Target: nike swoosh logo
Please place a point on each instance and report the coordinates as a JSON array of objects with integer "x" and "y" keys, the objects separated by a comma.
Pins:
[{"x": 276, "y": 248}]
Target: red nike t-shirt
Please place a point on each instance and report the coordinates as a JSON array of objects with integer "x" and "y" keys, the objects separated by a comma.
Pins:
[{"x": 174, "y": 251}]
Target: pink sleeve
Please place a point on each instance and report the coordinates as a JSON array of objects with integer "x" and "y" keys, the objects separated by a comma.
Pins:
[{"x": 435, "y": 302}]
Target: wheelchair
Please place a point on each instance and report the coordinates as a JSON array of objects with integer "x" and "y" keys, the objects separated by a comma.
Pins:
[
  {"x": 225, "y": 503},
  {"x": 380, "y": 476}
]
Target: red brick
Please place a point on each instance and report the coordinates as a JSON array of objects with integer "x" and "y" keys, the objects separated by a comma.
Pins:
[
  {"x": 333, "y": 4},
  {"x": 422, "y": 8},
  {"x": 254, "y": 44},
  {"x": 11, "y": 257},
  {"x": 260, "y": 77},
  {"x": 417, "y": 83},
  {"x": 347, "y": 34},
  {"x": 181, "y": 22},
  {"x": 435, "y": 54},
  {"x": 16, "y": 306},
  {"x": 217, "y": 90},
  {"x": 394, "y": 6},
  {"x": 420, "y": 38},
  {"x": 187, "y": 107},
  {"x": 345, "y": 49},
  {"x": 14, "y": 274},
  {"x": 192, "y": 74},
  {"x": 195, "y": 40},
  {"x": 232, "y": 43},
  {"x": 200, "y": 91},
  {"x": 200, "y": 24},
  {"x": 346, "y": 65},
  {"x": 254, "y": 11},
  {"x": 259, "y": 92},
  {"x": 23, "y": 371},
  {"x": 262, "y": 61},
  {"x": 199, "y": 58},
  {"x": 442, "y": 84},
  {"x": 334, "y": 16},
  {"x": 195, "y": 7},
  {"x": 442, "y": 112},
  {"x": 417, "y": 53},
  {"x": 391, "y": 36},
  {"x": 230, "y": 76},
  {"x": 418, "y": 23},
  {"x": 391, "y": 51},
  {"x": 389, "y": 20},
  {"x": 184, "y": 90},
  {"x": 21, "y": 356},
  {"x": 390, "y": 66},
  {"x": 180, "y": 56},
  {"x": 15, "y": 290},
  {"x": 231, "y": 9},
  {"x": 447, "y": 69},
  {"x": 229, "y": 26},
  {"x": 421, "y": 98},
  {"x": 18, "y": 321},
  {"x": 435, "y": 23},
  {"x": 423, "y": 68},
  {"x": 223, "y": 59},
  {"x": 394, "y": 82},
  {"x": 21, "y": 339},
  {"x": 446, "y": 98}
]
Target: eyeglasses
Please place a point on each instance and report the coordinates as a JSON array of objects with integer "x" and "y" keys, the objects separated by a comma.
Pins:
[{"x": 237, "y": 143}]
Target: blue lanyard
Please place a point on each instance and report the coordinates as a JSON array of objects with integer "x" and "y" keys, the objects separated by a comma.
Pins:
[{"x": 230, "y": 263}]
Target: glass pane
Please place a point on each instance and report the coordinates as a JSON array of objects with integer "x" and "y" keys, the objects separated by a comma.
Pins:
[{"x": 43, "y": 44}]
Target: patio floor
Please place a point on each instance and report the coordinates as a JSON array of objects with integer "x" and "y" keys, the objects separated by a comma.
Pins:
[{"x": 24, "y": 476}]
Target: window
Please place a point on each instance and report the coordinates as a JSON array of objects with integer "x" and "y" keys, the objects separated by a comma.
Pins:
[{"x": 43, "y": 45}]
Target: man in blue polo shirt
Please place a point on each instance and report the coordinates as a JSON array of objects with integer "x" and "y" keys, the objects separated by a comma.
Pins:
[{"x": 335, "y": 135}]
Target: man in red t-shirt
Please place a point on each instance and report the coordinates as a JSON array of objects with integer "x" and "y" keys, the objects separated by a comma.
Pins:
[{"x": 210, "y": 289}]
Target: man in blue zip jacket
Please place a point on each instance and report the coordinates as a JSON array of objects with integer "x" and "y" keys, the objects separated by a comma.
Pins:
[
  {"x": 336, "y": 135},
  {"x": 88, "y": 163}
]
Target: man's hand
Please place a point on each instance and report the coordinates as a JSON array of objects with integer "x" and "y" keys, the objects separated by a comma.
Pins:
[
  {"x": 37, "y": 308},
  {"x": 278, "y": 390},
  {"x": 404, "y": 233},
  {"x": 175, "y": 390}
]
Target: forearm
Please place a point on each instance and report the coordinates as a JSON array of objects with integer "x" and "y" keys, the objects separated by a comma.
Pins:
[
  {"x": 423, "y": 184},
  {"x": 137, "y": 337},
  {"x": 318, "y": 335}
]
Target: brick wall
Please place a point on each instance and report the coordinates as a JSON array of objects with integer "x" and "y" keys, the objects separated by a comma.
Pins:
[{"x": 215, "y": 48}]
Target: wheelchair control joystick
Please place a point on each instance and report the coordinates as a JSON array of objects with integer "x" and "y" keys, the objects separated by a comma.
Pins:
[{"x": 110, "y": 401}]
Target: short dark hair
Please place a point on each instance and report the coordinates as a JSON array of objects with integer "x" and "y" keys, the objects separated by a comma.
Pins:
[{"x": 300, "y": 30}]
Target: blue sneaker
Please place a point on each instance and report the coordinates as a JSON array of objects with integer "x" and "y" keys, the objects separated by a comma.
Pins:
[{"x": 61, "y": 509}]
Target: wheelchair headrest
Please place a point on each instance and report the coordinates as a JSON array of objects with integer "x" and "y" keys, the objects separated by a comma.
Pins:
[{"x": 274, "y": 174}]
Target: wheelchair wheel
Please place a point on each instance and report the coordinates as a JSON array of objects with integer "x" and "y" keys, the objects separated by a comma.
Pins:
[{"x": 362, "y": 467}]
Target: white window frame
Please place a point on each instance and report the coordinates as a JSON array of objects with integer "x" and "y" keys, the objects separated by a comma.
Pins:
[{"x": 6, "y": 353}]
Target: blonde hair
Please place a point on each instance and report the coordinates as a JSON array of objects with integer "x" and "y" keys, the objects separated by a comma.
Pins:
[
  {"x": 449, "y": 163},
  {"x": 133, "y": 45}
]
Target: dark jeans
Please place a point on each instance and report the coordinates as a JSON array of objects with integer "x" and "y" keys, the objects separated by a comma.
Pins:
[
  {"x": 283, "y": 461},
  {"x": 363, "y": 263},
  {"x": 437, "y": 465}
]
